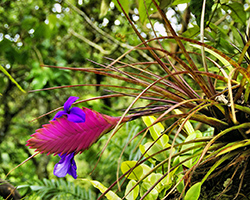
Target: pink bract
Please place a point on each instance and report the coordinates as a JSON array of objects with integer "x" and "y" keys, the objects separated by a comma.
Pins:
[{"x": 63, "y": 136}]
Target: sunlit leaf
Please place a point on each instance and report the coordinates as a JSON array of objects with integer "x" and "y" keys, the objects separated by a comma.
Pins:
[
  {"x": 165, "y": 183},
  {"x": 153, "y": 194},
  {"x": 194, "y": 192},
  {"x": 104, "y": 8},
  {"x": 145, "y": 168},
  {"x": 52, "y": 21},
  {"x": 223, "y": 60},
  {"x": 189, "y": 153},
  {"x": 187, "y": 126},
  {"x": 237, "y": 11},
  {"x": 135, "y": 173},
  {"x": 176, "y": 2},
  {"x": 154, "y": 149},
  {"x": 146, "y": 7},
  {"x": 143, "y": 149},
  {"x": 124, "y": 3},
  {"x": 110, "y": 195},
  {"x": 156, "y": 130},
  {"x": 134, "y": 193}
]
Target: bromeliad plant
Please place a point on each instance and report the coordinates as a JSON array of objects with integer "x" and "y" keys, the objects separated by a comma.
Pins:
[{"x": 183, "y": 160}]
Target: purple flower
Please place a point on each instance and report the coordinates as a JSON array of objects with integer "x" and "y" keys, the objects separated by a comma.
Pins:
[
  {"x": 66, "y": 135},
  {"x": 66, "y": 165},
  {"x": 74, "y": 114}
]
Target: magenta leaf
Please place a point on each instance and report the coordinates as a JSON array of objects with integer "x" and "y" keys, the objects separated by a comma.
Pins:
[{"x": 62, "y": 136}]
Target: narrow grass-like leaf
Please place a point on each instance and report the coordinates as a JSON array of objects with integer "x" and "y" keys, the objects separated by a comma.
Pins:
[
  {"x": 11, "y": 78},
  {"x": 235, "y": 145},
  {"x": 219, "y": 162}
]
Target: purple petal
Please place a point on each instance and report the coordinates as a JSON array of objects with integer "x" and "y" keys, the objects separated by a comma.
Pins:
[
  {"x": 72, "y": 169},
  {"x": 66, "y": 166},
  {"x": 69, "y": 102},
  {"x": 59, "y": 114},
  {"x": 76, "y": 115}
]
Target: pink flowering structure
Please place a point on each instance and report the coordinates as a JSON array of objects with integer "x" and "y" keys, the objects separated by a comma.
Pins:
[{"x": 70, "y": 132}]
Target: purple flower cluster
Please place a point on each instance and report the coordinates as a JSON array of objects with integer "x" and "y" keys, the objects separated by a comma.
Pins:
[
  {"x": 67, "y": 164},
  {"x": 70, "y": 132}
]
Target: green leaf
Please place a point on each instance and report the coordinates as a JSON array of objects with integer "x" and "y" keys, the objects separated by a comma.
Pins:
[
  {"x": 165, "y": 3},
  {"x": 189, "y": 163},
  {"x": 124, "y": 3},
  {"x": 187, "y": 126},
  {"x": 234, "y": 145},
  {"x": 146, "y": 7},
  {"x": 237, "y": 11},
  {"x": 196, "y": 9},
  {"x": 156, "y": 130},
  {"x": 176, "y": 2},
  {"x": 219, "y": 162},
  {"x": 145, "y": 169},
  {"x": 180, "y": 187},
  {"x": 194, "y": 192},
  {"x": 154, "y": 149},
  {"x": 153, "y": 194},
  {"x": 165, "y": 183},
  {"x": 104, "y": 8},
  {"x": 29, "y": 23},
  {"x": 110, "y": 195},
  {"x": 191, "y": 32},
  {"x": 134, "y": 193},
  {"x": 223, "y": 60},
  {"x": 12, "y": 79},
  {"x": 52, "y": 21},
  {"x": 135, "y": 174}
]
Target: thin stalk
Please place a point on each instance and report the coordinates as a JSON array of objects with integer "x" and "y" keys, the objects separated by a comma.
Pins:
[
  {"x": 241, "y": 126},
  {"x": 200, "y": 81},
  {"x": 230, "y": 93},
  {"x": 161, "y": 90},
  {"x": 151, "y": 51},
  {"x": 202, "y": 47}
]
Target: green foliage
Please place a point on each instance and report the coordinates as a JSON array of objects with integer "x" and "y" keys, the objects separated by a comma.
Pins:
[
  {"x": 146, "y": 8},
  {"x": 124, "y": 3},
  {"x": 142, "y": 174},
  {"x": 136, "y": 172},
  {"x": 51, "y": 189},
  {"x": 135, "y": 190},
  {"x": 238, "y": 13},
  {"x": 196, "y": 9},
  {"x": 194, "y": 192},
  {"x": 176, "y": 2}
]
